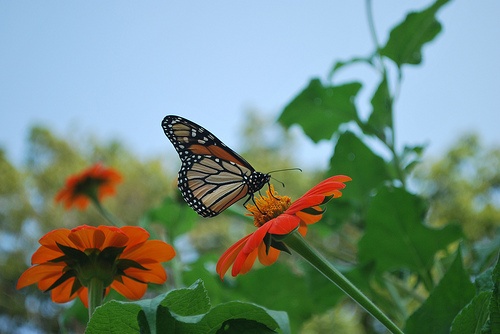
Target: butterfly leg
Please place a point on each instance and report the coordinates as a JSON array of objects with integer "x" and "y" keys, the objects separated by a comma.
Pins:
[{"x": 251, "y": 197}]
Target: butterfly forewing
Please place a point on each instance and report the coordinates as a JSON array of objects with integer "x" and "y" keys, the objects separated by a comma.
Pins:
[
  {"x": 190, "y": 139},
  {"x": 212, "y": 176}
]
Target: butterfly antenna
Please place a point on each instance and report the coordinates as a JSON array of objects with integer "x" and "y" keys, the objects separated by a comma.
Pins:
[
  {"x": 282, "y": 183},
  {"x": 280, "y": 170},
  {"x": 286, "y": 169}
]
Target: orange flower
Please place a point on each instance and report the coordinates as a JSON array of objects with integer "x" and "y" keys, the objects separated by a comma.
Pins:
[
  {"x": 93, "y": 183},
  {"x": 122, "y": 258},
  {"x": 275, "y": 216}
]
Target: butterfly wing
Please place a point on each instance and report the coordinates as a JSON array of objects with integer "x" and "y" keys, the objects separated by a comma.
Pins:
[
  {"x": 210, "y": 185},
  {"x": 191, "y": 139},
  {"x": 212, "y": 176}
]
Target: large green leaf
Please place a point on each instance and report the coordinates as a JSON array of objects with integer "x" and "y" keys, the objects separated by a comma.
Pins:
[
  {"x": 239, "y": 317},
  {"x": 436, "y": 314},
  {"x": 367, "y": 170},
  {"x": 395, "y": 236},
  {"x": 299, "y": 290},
  {"x": 407, "y": 39},
  {"x": 185, "y": 311},
  {"x": 353, "y": 158},
  {"x": 320, "y": 110},
  {"x": 114, "y": 317},
  {"x": 481, "y": 314},
  {"x": 472, "y": 317}
]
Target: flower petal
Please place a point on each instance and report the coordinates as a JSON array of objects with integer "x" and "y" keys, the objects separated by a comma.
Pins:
[
  {"x": 40, "y": 273},
  {"x": 316, "y": 195},
  {"x": 227, "y": 259},
  {"x": 155, "y": 274},
  {"x": 129, "y": 288},
  {"x": 86, "y": 238},
  {"x": 150, "y": 251},
  {"x": 83, "y": 294},
  {"x": 114, "y": 237},
  {"x": 270, "y": 257},
  {"x": 249, "y": 250},
  {"x": 246, "y": 264},
  {"x": 308, "y": 218},
  {"x": 59, "y": 236},
  {"x": 45, "y": 254},
  {"x": 62, "y": 293},
  {"x": 136, "y": 235},
  {"x": 283, "y": 224}
]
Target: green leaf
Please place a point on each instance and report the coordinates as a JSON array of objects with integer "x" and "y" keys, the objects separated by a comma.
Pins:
[
  {"x": 243, "y": 326},
  {"x": 190, "y": 301},
  {"x": 484, "y": 281},
  {"x": 353, "y": 158},
  {"x": 453, "y": 292},
  {"x": 320, "y": 110},
  {"x": 150, "y": 316},
  {"x": 473, "y": 316},
  {"x": 114, "y": 317},
  {"x": 407, "y": 39},
  {"x": 299, "y": 292},
  {"x": 381, "y": 115},
  {"x": 224, "y": 314},
  {"x": 495, "y": 299},
  {"x": 185, "y": 311},
  {"x": 367, "y": 170},
  {"x": 395, "y": 236},
  {"x": 485, "y": 252}
]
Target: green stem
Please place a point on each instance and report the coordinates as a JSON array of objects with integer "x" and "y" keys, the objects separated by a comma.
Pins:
[
  {"x": 96, "y": 295},
  {"x": 371, "y": 25},
  {"x": 297, "y": 243},
  {"x": 105, "y": 213},
  {"x": 392, "y": 143}
]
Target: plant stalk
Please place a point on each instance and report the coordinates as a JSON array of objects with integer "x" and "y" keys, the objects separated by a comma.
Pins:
[
  {"x": 295, "y": 241},
  {"x": 96, "y": 295}
]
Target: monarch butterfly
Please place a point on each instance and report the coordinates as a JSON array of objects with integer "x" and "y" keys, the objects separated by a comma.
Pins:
[{"x": 212, "y": 176}]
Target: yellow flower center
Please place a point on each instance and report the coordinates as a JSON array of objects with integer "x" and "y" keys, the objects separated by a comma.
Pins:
[{"x": 268, "y": 207}]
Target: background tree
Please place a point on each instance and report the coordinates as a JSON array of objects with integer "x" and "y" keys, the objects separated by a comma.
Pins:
[{"x": 28, "y": 211}]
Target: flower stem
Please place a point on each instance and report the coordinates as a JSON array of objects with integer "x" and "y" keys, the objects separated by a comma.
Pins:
[
  {"x": 105, "y": 213},
  {"x": 96, "y": 289},
  {"x": 297, "y": 243}
]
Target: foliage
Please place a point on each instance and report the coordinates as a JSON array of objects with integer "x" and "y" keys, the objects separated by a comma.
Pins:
[
  {"x": 413, "y": 244},
  {"x": 185, "y": 311},
  {"x": 404, "y": 258}
]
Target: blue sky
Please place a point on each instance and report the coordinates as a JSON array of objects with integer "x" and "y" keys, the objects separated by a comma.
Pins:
[{"x": 116, "y": 68}]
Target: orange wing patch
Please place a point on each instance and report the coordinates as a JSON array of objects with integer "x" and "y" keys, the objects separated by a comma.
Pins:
[{"x": 216, "y": 151}]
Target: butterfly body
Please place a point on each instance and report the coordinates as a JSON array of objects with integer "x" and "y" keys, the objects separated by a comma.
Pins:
[{"x": 212, "y": 176}]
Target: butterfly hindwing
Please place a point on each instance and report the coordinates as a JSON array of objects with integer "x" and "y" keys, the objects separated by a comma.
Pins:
[
  {"x": 210, "y": 185},
  {"x": 212, "y": 176}
]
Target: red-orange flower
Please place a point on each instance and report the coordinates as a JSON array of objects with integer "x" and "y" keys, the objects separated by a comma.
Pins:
[
  {"x": 122, "y": 258},
  {"x": 94, "y": 183},
  {"x": 277, "y": 216}
]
